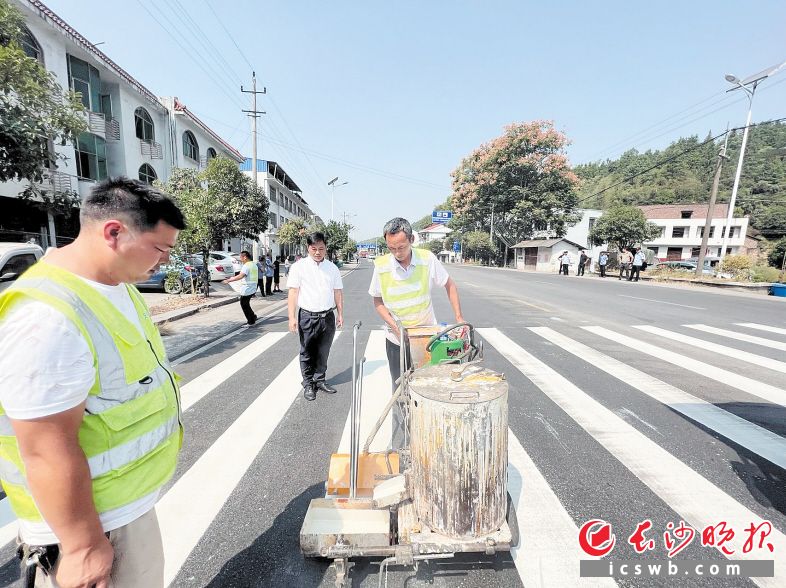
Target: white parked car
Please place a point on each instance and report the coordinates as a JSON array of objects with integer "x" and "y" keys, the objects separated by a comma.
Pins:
[
  {"x": 229, "y": 258},
  {"x": 15, "y": 258},
  {"x": 219, "y": 269}
]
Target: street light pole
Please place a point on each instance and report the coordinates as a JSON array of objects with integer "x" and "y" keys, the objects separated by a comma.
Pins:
[{"x": 333, "y": 186}]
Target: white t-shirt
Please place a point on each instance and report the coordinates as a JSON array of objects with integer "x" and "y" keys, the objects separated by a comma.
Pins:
[
  {"x": 46, "y": 367},
  {"x": 437, "y": 274},
  {"x": 249, "y": 285},
  {"x": 316, "y": 283}
]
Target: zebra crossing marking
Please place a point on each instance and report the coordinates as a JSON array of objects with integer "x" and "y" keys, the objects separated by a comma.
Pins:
[
  {"x": 753, "y": 387},
  {"x": 759, "y": 440},
  {"x": 692, "y": 496},
  {"x": 759, "y": 327},
  {"x": 740, "y": 336},
  {"x": 765, "y": 362},
  {"x": 214, "y": 477}
]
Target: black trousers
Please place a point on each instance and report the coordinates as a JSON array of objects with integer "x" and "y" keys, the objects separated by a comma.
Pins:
[
  {"x": 563, "y": 269},
  {"x": 602, "y": 271},
  {"x": 269, "y": 285},
  {"x": 624, "y": 269},
  {"x": 634, "y": 273},
  {"x": 261, "y": 285},
  {"x": 580, "y": 271},
  {"x": 316, "y": 337},
  {"x": 245, "y": 304}
]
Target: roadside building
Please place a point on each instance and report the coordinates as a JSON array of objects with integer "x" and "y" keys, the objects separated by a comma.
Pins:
[{"x": 541, "y": 254}]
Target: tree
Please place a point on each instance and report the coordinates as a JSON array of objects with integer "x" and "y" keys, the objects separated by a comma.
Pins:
[
  {"x": 772, "y": 221},
  {"x": 434, "y": 246},
  {"x": 477, "y": 245},
  {"x": 293, "y": 232},
  {"x": 219, "y": 203},
  {"x": 350, "y": 248},
  {"x": 34, "y": 111},
  {"x": 777, "y": 253},
  {"x": 623, "y": 226},
  {"x": 337, "y": 235},
  {"x": 523, "y": 177}
]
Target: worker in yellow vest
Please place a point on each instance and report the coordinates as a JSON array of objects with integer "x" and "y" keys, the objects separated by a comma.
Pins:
[
  {"x": 401, "y": 287},
  {"x": 90, "y": 423}
]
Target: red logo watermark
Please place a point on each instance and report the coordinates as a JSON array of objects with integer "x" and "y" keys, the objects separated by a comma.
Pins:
[{"x": 596, "y": 538}]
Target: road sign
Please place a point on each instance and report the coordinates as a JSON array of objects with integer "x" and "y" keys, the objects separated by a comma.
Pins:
[
  {"x": 441, "y": 216},
  {"x": 456, "y": 246}
]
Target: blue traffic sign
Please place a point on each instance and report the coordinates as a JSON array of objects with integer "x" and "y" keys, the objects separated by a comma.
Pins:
[
  {"x": 441, "y": 216},
  {"x": 456, "y": 246}
]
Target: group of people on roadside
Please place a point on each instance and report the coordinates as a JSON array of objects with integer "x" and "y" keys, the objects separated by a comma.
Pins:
[{"x": 631, "y": 262}]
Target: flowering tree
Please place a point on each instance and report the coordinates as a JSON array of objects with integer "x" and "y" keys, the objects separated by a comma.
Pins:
[{"x": 523, "y": 177}]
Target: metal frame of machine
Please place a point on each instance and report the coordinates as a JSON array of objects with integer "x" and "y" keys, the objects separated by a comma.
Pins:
[{"x": 380, "y": 519}]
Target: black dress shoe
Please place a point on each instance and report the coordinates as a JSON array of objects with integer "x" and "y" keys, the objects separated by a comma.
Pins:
[
  {"x": 325, "y": 388},
  {"x": 309, "y": 393}
]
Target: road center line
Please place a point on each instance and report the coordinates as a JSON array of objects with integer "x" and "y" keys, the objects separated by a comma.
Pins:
[{"x": 663, "y": 302}]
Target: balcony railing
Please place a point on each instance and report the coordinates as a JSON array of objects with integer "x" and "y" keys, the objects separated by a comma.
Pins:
[
  {"x": 151, "y": 149},
  {"x": 58, "y": 182},
  {"x": 112, "y": 129},
  {"x": 96, "y": 123}
]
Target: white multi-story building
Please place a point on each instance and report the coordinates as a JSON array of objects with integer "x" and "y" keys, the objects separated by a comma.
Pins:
[
  {"x": 682, "y": 228},
  {"x": 130, "y": 132},
  {"x": 286, "y": 202}
]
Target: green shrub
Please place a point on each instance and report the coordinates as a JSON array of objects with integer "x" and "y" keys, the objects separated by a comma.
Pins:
[{"x": 763, "y": 273}]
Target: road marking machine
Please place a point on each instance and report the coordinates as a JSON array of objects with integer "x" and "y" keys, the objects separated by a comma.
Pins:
[{"x": 444, "y": 490}]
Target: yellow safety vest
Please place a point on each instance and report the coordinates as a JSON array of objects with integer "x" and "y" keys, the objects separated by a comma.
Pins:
[
  {"x": 405, "y": 299},
  {"x": 131, "y": 431}
]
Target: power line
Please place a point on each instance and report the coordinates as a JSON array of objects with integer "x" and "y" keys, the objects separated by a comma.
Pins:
[
  {"x": 228, "y": 34},
  {"x": 675, "y": 156}
]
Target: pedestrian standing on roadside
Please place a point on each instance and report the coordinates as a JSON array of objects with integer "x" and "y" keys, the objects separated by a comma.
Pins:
[
  {"x": 261, "y": 275},
  {"x": 83, "y": 374},
  {"x": 315, "y": 291},
  {"x": 249, "y": 274},
  {"x": 603, "y": 260},
  {"x": 276, "y": 274},
  {"x": 286, "y": 265},
  {"x": 564, "y": 261},
  {"x": 268, "y": 276},
  {"x": 625, "y": 261},
  {"x": 582, "y": 262},
  {"x": 638, "y": 261}
]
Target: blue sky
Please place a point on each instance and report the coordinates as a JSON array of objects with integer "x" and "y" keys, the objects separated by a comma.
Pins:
[{"x": 390, "y": 96}]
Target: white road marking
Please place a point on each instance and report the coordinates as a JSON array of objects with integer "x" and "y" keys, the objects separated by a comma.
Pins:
[
  {"x": 206, "y": 382},
  {"x": 10, "y": 528},
  {"x": 754, "y": 387},
  {"x": 767, "y": 328},
  {"x": 759, "y": 440},
  {"x": 766, "y": 362},
  {"x": 218, "y": 471},
  {"x": 662, "y": 302},
  {"x": 740, "y": 336},
  {"x": 547, "y": 554},
  {"x": 692, "y": 496},
  {"x": 377, "y": 390}
]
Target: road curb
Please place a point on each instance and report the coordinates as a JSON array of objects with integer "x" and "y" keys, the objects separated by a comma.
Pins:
[{"x": 174, "y": 315}]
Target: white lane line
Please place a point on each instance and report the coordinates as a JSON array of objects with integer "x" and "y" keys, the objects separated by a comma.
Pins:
[
  {"x": 757, "y": 439},
  {"x": 766, "y": 362},
  {"x": 662, "y": 302},
  {"x": 692, "y": 496},
  {"x": 754, "y": 387},
  {"x": 10, "y": 528},
  {"x": 547, "y": 554},
  {"x": 212, "y": 344},
  {"x": 211, "y": 480},
  {"x": 206, "y": 382},
  {"x": 762, "y": 328},
  {"x": 740, "y": 336},
  {"x": 376, "y": 393}
]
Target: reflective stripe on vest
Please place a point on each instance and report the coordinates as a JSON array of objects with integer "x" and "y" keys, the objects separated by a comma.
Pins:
[
  {"x": 131, "y": 431},
  {"x": 405, "y": 299}
]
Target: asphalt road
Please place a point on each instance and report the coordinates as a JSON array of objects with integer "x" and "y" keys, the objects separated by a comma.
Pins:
[{"x": 617, "y": 411}]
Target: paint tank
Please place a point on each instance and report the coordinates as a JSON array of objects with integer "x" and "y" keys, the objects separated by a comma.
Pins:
[{"x": 459, "y": 444}]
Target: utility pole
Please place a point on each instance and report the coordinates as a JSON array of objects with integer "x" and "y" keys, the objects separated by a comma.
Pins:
[
  {"x": 491, "y": 232},
  {"x": 254, "y": 115},
  {"x": 708, "y": 223}
]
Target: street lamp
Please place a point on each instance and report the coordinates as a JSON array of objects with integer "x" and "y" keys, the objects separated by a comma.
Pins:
[
  {"x": 749, "y": 85},
  {"x": 332, "y": 183}
]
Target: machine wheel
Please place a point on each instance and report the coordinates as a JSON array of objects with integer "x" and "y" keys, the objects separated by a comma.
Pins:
[
  {"x": 513, "y": 523},
  {"x": 173, "y": 286}
]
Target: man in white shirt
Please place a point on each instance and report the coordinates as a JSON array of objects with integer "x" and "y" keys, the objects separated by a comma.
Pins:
[
  {"x": 74, "y": 339},
  {"x": 401, "y": 287},
  {"x": 315, "y": 291},
  {"x": 249, "y": 273}
]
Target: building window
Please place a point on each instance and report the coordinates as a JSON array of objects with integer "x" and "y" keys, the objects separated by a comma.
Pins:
[
  {"x": 85, "y": 80},
  {"x": 282, "y": 220},
  {"x": 273, "y": 219},
  {"x": 712, "y": 231},
  {"x": 91, "y": 157},
  {"x": 686, "y": 213},
  {"x": 678, "y": 232},
  {"x": 30, "y": 45},
  {"x": 190, "y": 146},
  {"x": 591, "y": 223},
  {"x": 211, "y": 153},
  {"x": 147, "y": 174},
  {"x": 273, "y": 194},
  {"x": 145, "y": 130}
]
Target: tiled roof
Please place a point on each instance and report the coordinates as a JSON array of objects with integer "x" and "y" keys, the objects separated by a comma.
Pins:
[{"x": 672, "y": 211}]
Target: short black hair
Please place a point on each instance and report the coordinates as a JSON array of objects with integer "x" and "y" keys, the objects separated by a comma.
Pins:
[
  {"x": 315, "y": 237},
  {"x": 245, "y": 254},
  {"x": 140, "y": 204}
]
